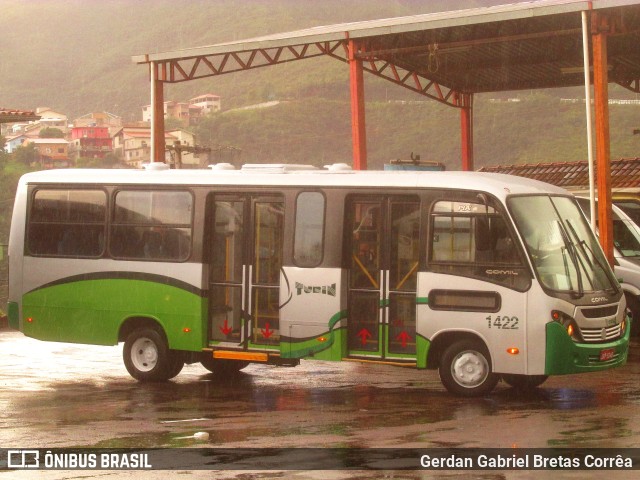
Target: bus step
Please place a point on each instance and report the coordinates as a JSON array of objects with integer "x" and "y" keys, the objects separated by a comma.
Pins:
[{"x": 246, "y": 356}]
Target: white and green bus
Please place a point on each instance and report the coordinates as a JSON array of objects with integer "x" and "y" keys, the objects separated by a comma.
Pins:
[{"x": 481, "y": 276}]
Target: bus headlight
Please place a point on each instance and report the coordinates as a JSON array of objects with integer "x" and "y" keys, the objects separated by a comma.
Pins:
[{"x": 568, "y": 323}]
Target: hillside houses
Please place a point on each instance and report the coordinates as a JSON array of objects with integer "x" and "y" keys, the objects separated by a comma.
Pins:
[
  {"x": 59, "y": 142},
  {"x": 48, "y": 119},
  {"x": 133, "y": 145},
  {"x": 189, "y": 113},
  {"x": 52, "y": 152}
]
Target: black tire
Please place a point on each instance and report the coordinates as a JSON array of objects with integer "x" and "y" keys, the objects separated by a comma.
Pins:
[
  {"x": 147, "y": 356},
  {"x": 177, "y": 364},
  {"x": 221, "y": 367},
  {"x": 524, "y": 382},
  {"x": 465, "y": 369}
]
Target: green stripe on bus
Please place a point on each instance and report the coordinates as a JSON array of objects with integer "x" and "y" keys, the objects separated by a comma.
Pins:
[
  {"x": 314, "y": 346},
  {"x": 93, "y": 311}
]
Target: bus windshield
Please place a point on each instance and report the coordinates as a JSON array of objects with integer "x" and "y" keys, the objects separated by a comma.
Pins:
[{"x": 563, "y": 250}]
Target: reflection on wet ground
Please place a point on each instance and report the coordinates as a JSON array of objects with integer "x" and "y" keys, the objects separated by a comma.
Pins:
[{"x": 59, "y": 395}]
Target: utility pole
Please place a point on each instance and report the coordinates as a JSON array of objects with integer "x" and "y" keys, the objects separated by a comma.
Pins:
[{"x": 177, "y": 148}]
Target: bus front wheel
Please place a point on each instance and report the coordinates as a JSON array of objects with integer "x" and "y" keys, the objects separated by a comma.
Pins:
[
  {"x": 524, "y": 382},
  {"x": 223, "y": 367},
  {"x": 148, "y": 358},
  {"x": 465, "y": 369}
]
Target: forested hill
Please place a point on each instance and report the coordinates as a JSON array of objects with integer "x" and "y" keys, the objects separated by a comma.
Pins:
[{"x": 74, "y": 56}]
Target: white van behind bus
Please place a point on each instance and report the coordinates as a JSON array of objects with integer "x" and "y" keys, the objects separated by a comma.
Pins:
[{"x": 626, "y": 241}]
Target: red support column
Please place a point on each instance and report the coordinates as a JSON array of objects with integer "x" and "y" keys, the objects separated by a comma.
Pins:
[
  {"x": 358, "y": 131},
  {"x": 157, "y": 115},
  {"x": 599, "y": 31},
  {"x": 466, "y": 131}
]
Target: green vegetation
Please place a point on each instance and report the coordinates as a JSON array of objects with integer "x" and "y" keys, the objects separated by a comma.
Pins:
[
  {"x": 538, "y": 128},
  {"x": 51, "y": 132},
  {"x": 109, "y": 161},
  {"x": 25, "y": 154}
]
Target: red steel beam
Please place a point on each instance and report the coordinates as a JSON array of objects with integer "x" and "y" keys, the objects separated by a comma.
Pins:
[
  {"x": 599, "y": 31},
  {"x": 157, "y": 106},
  {"x": 349, "y": 51},
  {"x": 632, "y": 85},
  {"x": 409, "y": 79},
  {"x": 182, "y": 70},
  {"x": 466, "y": 131},
  {"x": 358, "y": 130},
  {"x": 185, "y": 69}
]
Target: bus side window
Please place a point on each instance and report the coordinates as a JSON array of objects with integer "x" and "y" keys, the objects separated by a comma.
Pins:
[
  {"x": 467, "y": 237},
  {"x": 67, "y": 223},
  {"x": 308, "y": 246},
  {"x": 152, "y": 225}
]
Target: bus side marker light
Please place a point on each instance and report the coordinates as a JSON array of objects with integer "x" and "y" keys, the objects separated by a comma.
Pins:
[
  {"x": 186, "y": 330},
  {"x": 322, "y": 339},
  {"x": 29, "y": 320},
  {"x": 513, "y": 350}
]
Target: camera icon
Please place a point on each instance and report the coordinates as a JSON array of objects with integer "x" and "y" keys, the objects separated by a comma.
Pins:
[{"x": 23, "y": 459}]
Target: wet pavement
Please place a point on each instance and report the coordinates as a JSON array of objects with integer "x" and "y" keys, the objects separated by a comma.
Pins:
[{"x": 56, "y": 395}]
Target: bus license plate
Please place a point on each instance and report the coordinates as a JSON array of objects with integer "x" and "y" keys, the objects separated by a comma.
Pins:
[{"x": 607, "y": 354}]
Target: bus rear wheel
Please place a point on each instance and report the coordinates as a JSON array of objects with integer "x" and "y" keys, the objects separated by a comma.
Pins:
[
  {"x": 148, "y": 358},
  {"x": 524, "y": 382},
  {"x": 465, "y": 369}
]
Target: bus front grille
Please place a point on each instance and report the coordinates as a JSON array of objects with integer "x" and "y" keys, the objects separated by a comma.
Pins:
[
  {"x": 599, "y": 335},
  {"x": 598, "y": 312}
]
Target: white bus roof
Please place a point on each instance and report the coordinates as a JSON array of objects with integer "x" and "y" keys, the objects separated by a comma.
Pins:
[{"x": 500, "y": 185}]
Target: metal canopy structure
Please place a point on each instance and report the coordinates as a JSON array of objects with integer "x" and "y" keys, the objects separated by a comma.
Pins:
[
  {"x": 446, "y": 56},
  {"x": 512, "y": 47}
]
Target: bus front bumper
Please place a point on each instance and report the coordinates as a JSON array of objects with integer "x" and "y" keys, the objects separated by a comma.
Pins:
[{"x": 564, "y": 356}]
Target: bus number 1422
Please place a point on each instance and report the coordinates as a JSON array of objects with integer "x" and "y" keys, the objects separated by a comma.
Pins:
[{"x": 504, "y": 322}]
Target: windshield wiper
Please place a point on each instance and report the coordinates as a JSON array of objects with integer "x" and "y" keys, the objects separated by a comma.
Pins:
[
  {"x": 566, "y": 266},
  {"x": 585, "y": 248},
  {"x": 571, "y": 248}
]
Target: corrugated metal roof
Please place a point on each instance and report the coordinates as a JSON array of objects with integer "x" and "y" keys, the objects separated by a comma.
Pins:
[
  {"x": 384, "y": 26},
  {"x": 13, "y": 116},
  {"x": 507, "y": 47},
  {"x": 625, "y": 173}
]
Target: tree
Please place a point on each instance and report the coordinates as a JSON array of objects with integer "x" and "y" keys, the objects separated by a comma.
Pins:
[
  {"x": 109, "y": 161},
  {"x": 4, "y": 156},
  {"x": 50, "y": 132},
  {"x": 26, "y": 154},
  {"x": 173, "y": 124}
]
